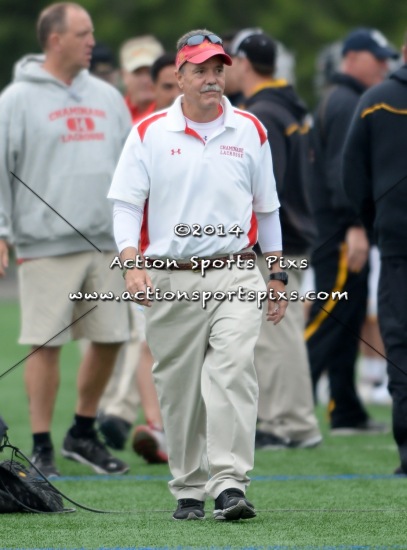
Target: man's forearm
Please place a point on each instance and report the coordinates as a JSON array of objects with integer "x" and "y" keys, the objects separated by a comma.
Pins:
[
  {"x": 273, "y": 260},
  {"x": 128, "y": 253}
]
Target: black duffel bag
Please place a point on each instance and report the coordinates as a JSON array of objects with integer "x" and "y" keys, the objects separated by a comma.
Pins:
[{"x": 22, "y": 491}]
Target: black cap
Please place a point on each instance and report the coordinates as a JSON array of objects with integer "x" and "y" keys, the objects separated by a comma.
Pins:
[
  {"x": 257, "y": 46},
  {"x": 102, "y": 57},
  {"x": 369, "y": 40}
]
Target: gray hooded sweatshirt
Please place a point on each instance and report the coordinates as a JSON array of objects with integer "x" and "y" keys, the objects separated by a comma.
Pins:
[{"x": 63, "y": 142}]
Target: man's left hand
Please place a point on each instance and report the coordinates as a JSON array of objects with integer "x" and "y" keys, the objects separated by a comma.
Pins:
[
  {"x": 3, "y": 257},
  {"x": 276, "y": 308}
]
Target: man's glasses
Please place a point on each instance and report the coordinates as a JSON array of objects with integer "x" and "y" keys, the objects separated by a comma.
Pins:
[{"x": 199, "y": 38}]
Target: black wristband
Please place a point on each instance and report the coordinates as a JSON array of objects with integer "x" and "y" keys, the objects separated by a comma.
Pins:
[{"x": 279, "y": 276}]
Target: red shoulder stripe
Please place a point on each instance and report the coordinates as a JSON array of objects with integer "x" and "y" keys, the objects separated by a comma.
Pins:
[
  {"x": 257, "y": 123},
  {"x": 144, "y": 236},
  {"x": 142, "y": 127},
  {"x": 252, "y": 235}
]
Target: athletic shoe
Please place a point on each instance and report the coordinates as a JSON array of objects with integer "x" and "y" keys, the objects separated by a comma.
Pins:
[
  {"x": 91, "y": 451},
  {"x": 43, "y": 459},
  {"x": 232, "y": 504},
  {"x": 267, "y": 441},
  {"x": 150, "y": 443},
  {"x": 368, "y": 427},
  {"x": 189, "y": 508},
  {"x": 380, "y": 395},
  {"x": 115, "y": 430},
  {"x": 270, "y": 442},
  {"x": 309, "y": 443},
  {"x": 399, "y": 471}
]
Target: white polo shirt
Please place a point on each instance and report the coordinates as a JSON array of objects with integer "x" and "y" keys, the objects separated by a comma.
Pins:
[{"x": 212, "y": 188}]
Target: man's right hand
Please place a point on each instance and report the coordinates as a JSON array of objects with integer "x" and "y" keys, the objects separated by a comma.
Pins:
[
  {"x": 358, "y": 248},
  {"x": 137, "y": 280},
  {"x": 3, "y": 257}
]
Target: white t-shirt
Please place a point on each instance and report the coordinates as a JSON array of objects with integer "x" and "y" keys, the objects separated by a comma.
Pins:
[
  {"x": 206, "y": 129},
  {"x": 178, "y": 178}
]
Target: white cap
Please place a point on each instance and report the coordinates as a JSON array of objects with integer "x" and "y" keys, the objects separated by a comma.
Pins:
[{"x": 140, "y": 52}]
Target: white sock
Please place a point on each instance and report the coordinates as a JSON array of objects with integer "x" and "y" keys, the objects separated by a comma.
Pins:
[{"x": 372, "y": 369}]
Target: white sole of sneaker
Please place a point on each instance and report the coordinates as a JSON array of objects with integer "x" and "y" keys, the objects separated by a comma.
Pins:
[
  {"x": 308, "y": 443},
  {"x": 191, "y": 516},
  {"x": 355, "y": 431},
  {"x": 50, "y": 477},
  {"x": 272, "y": 448},
  {"x": 97, "y": 469},
  {"x": 239, "y": 511}
]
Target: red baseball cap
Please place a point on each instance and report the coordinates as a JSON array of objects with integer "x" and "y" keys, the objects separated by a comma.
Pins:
[{"x": 200, "y": 53}]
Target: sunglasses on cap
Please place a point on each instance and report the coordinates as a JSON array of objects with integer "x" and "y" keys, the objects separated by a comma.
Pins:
[{"x": 199, "y": 38}]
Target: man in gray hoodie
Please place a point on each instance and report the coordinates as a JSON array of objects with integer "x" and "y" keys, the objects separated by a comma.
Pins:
[{"x": 61, "y": 133}]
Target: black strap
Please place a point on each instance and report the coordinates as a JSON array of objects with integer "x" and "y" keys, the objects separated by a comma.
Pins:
[{"x": 322, "y": 112}]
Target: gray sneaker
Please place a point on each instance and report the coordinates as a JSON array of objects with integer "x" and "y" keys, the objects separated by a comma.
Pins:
[
  {"x": 367, "y": 427},
  {"x": 92, "y": 452}
]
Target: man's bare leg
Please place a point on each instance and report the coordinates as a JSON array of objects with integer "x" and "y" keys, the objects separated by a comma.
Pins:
[
  {"x": 81, "y": 443},
  {"x": 146, "y": 388},
  {"x": 94, "y": 373},
  {"x": 149, "y": 441},
  {"x": 41, "y": 382}
]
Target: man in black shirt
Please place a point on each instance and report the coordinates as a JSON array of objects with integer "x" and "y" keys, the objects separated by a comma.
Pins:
[
  {"x": 286, "y": 417},
  {"x": 341, "y": 248},
  {"x": 375, "y": 176}
]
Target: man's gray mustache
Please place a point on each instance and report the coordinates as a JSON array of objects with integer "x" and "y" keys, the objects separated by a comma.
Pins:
[{"x": 211, "y": 88}]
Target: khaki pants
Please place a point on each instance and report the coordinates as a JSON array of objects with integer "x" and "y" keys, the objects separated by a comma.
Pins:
[
  {"x": 46, "y": 309},
  {"x": 286, "y": 406},
  {"x": 205, "y": 379}
]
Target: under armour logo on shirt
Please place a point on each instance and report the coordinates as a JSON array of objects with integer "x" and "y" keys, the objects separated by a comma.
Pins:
[{"x": 177, "y": 151}]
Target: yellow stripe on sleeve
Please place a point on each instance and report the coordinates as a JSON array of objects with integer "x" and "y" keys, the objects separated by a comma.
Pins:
[{"x": 384, "y": 106}]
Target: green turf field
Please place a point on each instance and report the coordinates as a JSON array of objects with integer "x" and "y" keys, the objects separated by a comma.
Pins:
[{"x": 338, "y": 495}]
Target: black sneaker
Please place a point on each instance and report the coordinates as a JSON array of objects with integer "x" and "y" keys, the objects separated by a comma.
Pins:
[
  {"x": 189, "y": 508},
  {"x": 270, "y": 442},
  {"x": 308, "y": 443},
  {"x": 115, "y": 430},
  {"x": 232, "y": 504},
  {"x": 43, "y": 459},
  {"x": 91, "y": 451}
]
